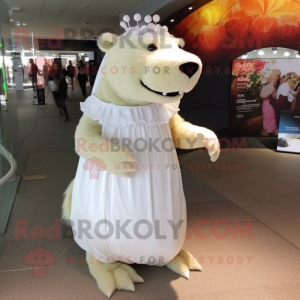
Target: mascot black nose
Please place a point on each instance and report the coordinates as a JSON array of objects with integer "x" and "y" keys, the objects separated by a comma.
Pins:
[{"x": 189, "y": 68}]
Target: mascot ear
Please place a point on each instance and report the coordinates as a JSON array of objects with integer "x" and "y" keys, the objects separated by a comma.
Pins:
[{"x": 107, "y": 40}]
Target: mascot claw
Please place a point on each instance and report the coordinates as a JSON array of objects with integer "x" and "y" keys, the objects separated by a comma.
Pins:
[
  {"x": 114, "y": 276},
  {"x": 182, "y": 263},
  {"x": 214, "y": 151}
]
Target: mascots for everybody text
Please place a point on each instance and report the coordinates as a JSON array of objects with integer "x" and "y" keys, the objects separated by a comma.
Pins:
[{"x": 126, "y": 203}]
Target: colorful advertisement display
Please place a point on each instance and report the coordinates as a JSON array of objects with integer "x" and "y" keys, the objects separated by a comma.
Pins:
[
  {"x": 223, "y": 30},
  {"x": 260, "y": 90},
  {"x": 289, "y": 132}
]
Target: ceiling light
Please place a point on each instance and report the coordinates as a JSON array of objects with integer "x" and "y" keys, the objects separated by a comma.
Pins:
[
  {"x": 190, "y": 8},
  {"x": 24, "y": 23},
  {"x": 287, "y": 53},
  {"x": 11, "y": 20},
  {"x": 172, "y": 20},
  {"x": 260, "y": 52}
]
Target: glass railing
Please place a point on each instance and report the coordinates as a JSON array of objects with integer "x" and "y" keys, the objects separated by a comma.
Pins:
[{"x": 10, "y": 158}]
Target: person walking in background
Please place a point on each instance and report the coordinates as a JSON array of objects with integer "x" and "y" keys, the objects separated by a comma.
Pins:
[
  {"x": 59, "y": 87},
  {"x": 33, "y": 74},
  {"x": 71, "y": 72},
  {"x": 82, "y": 77},
  {"x": 13, "y": 74},
  {"x": 76, "y": 75}
]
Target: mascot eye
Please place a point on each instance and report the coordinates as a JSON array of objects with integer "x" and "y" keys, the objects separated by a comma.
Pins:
[
  {"x": 179, "y": 46},
  {"x": 152, "y": 47}
]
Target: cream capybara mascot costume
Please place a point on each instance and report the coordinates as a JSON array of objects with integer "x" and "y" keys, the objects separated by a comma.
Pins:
[{"x": 134, "y": 211}]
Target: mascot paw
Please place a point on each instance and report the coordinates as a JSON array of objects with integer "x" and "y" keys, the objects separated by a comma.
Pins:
[
  {"x": 111, "y": 277},
  {"x": 211, "y": 142},
  {"x": 182, "y": 263}
]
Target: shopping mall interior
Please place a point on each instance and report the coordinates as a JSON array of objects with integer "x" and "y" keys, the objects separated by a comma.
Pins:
[{"x": 78, "y": 72}]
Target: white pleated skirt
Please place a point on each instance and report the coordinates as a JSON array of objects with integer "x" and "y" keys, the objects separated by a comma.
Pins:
[{"x": 141, "y": 219}]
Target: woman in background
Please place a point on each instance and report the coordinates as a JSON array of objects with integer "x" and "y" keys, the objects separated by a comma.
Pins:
[
  {"x": 59, "y": 87},
  {"x": 82, "y": 77},
  {"x": 269, "y": 116}
]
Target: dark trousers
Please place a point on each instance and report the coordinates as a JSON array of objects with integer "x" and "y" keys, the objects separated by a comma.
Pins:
[
  {"x": 33, "y": 81},
  {"x": 60, "y": 104},
  {"x": 83, "y": 87}
]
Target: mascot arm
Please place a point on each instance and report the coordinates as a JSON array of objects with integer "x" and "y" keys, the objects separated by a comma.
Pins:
[
  {"x": 89, "y": 144},
  {"x": 188, "y": 136}
]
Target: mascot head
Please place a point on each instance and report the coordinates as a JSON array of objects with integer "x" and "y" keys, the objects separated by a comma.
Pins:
[{"x": 146, "y": 64}]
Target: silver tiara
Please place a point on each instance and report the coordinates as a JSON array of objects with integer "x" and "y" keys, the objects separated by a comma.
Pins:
[{"x": 150, "y": 27}]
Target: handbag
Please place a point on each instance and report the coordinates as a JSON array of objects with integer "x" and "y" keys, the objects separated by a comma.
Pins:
[{"x": 54, "y": 87}]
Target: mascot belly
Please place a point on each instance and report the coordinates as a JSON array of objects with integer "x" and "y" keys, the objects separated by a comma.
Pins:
[{"x": 126, "y": 204}]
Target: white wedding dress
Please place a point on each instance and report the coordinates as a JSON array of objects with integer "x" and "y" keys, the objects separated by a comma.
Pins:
[{"x": 141, "y": 219}]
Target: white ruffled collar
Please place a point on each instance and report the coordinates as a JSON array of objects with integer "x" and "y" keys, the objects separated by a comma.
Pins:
[{"x": 113, "y": 115}]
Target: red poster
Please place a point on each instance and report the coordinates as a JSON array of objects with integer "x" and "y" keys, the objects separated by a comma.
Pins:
[{"x": 260, "y": 90}]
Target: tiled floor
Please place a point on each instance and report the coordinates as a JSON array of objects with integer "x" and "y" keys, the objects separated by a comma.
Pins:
[
  {"x": 264, "y": 182},
  {"x": 259, "y": 265}
]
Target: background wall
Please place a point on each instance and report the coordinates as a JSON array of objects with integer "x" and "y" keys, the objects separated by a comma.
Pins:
[{"x": 222, "y": 30}]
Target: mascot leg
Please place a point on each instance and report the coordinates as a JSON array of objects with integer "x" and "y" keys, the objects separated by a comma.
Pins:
[
  {"x": 112, "y": 276},
  {"x": 66, "y": 208},
  {"x": 182, "y": 263}
]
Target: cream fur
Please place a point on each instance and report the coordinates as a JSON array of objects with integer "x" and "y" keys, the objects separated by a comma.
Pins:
[
  {"x": 66, "y": 209},
  {"x": 188, "y": 136},
  {"x": 90, "y": 131},
  {"x": 113, "y": 276},
  {"x": 125, "y": 88},
  {"x": 136, "y": 63},
  {"x": 182, "y": 263}
]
